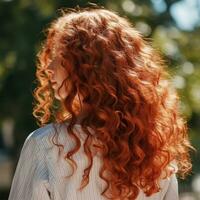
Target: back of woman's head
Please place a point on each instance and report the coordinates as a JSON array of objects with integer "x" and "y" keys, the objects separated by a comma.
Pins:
[{"x": 132, "y": 106}]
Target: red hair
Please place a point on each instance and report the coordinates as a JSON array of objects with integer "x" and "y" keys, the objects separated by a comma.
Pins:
[{"x": 134, "y": 109}]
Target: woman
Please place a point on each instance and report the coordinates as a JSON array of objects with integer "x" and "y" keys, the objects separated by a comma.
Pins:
[{"x": 106, "y": 95}]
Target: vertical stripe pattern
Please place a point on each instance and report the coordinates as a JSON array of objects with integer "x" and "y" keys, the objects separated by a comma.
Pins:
[{"x": 39, "y": 174}]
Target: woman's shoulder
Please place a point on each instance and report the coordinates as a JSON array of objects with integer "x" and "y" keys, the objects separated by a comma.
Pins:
[
  {"x": 40, "y": 136},
  {"x": 44, "y": 136},
  {"x": 41, "y": 132}
]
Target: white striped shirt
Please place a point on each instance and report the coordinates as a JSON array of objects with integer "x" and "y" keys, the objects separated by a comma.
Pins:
[{"x": 40, "y": 171}]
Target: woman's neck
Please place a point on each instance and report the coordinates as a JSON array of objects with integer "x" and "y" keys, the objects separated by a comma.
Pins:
[{"x": 81, "y": 115}]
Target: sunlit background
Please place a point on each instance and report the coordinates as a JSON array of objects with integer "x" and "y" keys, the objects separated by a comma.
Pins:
[{"x": 174, "y": 26}]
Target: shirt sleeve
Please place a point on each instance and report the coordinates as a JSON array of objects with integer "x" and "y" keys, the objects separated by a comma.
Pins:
[
  {"x": 30, "y": 180},
  {"x": 172, "y": 191}
]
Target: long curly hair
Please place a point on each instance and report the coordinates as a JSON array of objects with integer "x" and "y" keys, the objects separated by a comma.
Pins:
[{"x": 133, "y": 107}]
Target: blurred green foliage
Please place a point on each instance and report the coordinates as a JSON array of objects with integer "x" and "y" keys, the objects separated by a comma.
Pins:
[{"x": 22, "y": 24}]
